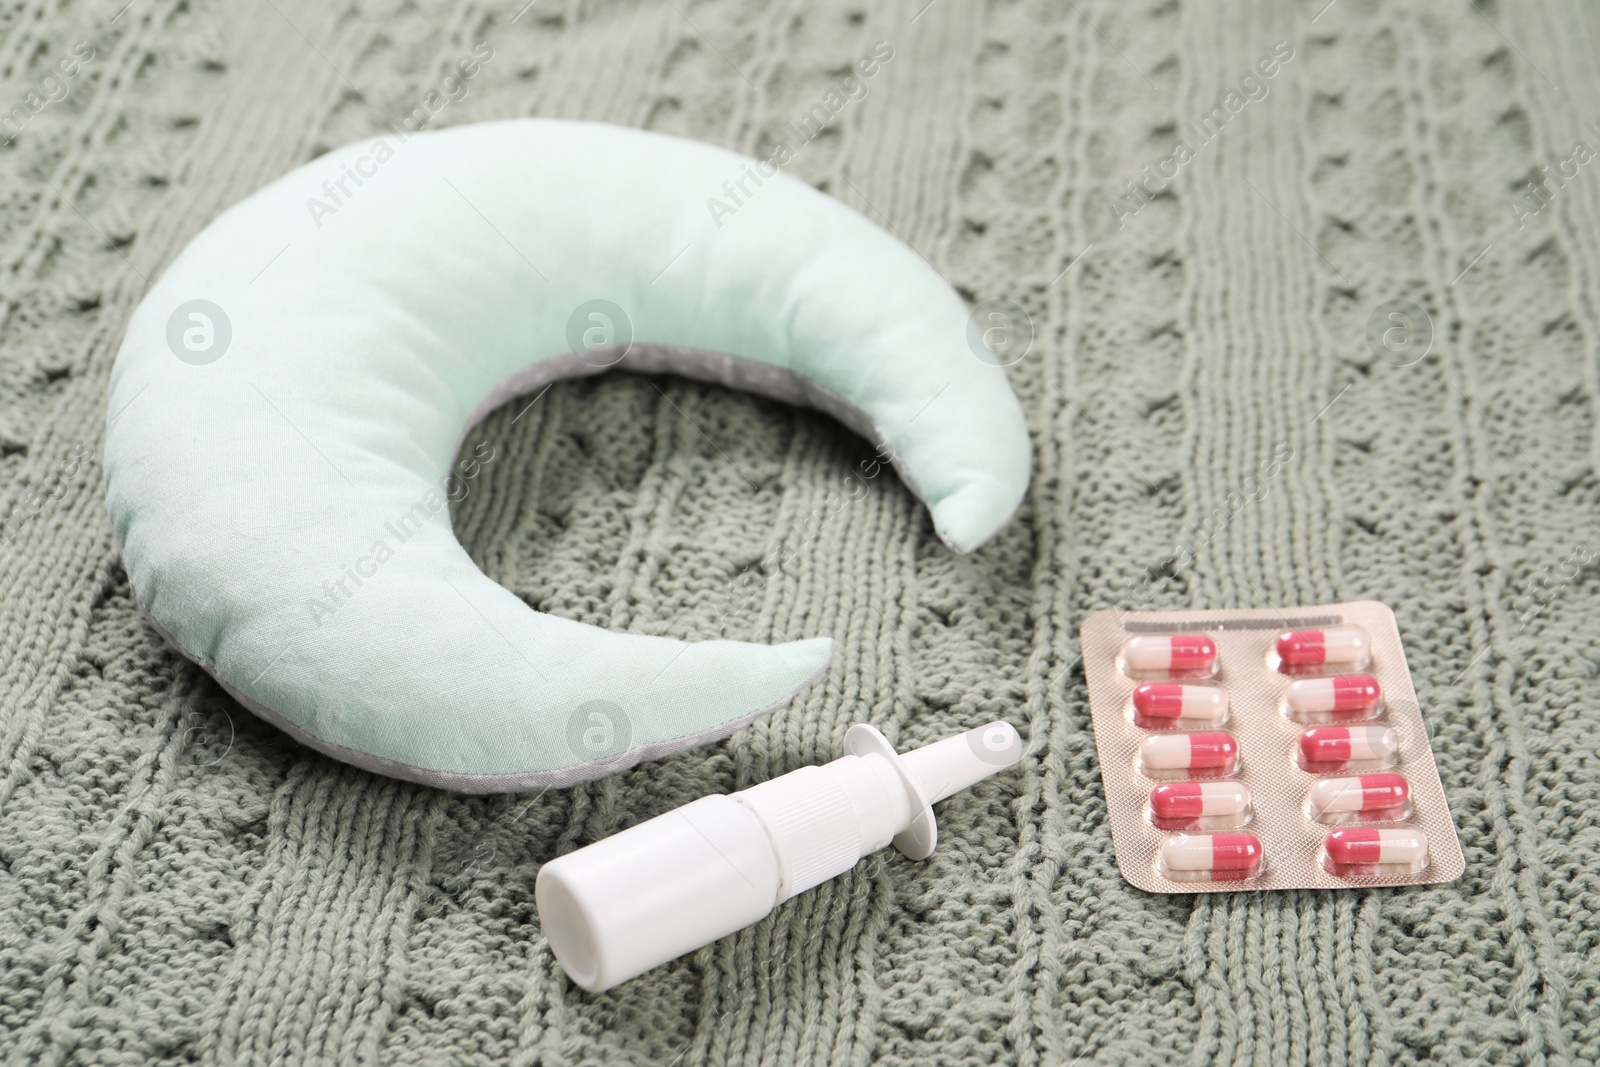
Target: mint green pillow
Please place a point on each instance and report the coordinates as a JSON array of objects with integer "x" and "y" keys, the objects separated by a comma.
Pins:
[{"x": 290, "y": 398}]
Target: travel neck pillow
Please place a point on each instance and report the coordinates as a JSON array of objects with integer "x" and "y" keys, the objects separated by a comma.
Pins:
[{"x": 287, "y": 407}]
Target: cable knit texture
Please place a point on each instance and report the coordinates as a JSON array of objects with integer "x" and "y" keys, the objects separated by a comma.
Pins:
[{"x": 180, "y": 883}]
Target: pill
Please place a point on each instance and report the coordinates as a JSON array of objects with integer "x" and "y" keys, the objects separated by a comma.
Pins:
[
  {"x": 1366, "y": 793},
  {"x": 1235, "y": 855},
  {"x": 1190, "y": 800},
  {"x": 1180, "y": 652},
  {"x": 1172, "y": 702},
  {"x": 1356, "y": 694},
  {"x": 1355, "y": 847},
  {"x": 1314, "y": 648},
  {"x": 1343, "y": 744},
  {"x": 1190, "y": 752}
]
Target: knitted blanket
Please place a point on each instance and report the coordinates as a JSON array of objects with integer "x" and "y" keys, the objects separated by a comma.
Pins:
[{"x": 1366, "y": 239}]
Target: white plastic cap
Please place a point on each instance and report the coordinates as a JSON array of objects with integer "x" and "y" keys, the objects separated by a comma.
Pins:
[{"x": 682, "y": 880}]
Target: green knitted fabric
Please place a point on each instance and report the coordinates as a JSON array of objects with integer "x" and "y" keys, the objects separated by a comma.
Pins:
[{"x": 180, "y": 882}]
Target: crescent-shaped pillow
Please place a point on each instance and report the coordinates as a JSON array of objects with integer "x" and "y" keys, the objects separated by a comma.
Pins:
[{"x": 291, "y": 395}]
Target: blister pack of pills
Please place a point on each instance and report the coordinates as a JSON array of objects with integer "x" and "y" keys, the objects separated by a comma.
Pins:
[{"x": 1278, "y": 748}]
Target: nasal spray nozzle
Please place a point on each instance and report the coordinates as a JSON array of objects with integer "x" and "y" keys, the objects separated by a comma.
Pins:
[{"x": 682, "y": 880}]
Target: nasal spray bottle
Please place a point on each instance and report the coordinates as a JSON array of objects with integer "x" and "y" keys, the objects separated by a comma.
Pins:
[{"x": 682, "y": 880}]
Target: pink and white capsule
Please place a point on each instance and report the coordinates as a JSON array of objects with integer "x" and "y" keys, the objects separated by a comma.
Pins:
[
  {"x": 1349, "y": 744},
  {"x": 1222, "y": 855},
  {"x": 1347, "y": 645},
  {"x": 1404, "y": 847},
  {"x": 1170, "y": 702},
  {"x": 1194, "y": 800},
  {"x": 1180, "y": 652},
  {"x": 1355, "y": 694},
  {"x": 1366, "y": 793},
  {"x": 1190, "y": 752}
]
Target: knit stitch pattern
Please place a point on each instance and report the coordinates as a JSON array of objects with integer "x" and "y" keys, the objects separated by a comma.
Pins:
[{"x": 181, "y": 883}]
